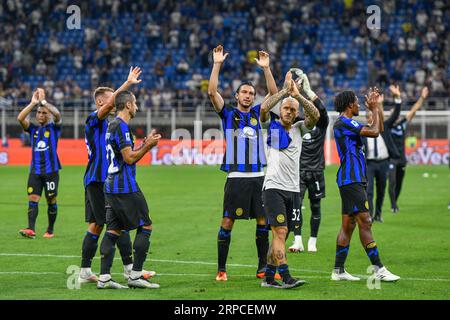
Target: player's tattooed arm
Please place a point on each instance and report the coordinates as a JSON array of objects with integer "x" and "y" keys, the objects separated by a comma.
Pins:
[
  {"x": 264, "y": 63},
  {"x": 272, "y": 101},
  {"x": 423, "y": 95},
  {"x": 312, "y": 115},
  {"x": 371, "y": 100},
  {"x": 22, "y": 117},
  {"x": 133, "y": 78},
  {"x": 132, "y": 156},
  {"x": 214, "y": 95}
]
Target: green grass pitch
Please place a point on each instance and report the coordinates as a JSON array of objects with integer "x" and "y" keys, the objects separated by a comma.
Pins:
[{"x": 185, "y": 205}]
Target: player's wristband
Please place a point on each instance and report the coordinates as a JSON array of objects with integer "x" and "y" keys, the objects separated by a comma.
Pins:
[
  {"x": 398, "y": 100},
  {"x": 42, "y": 103}
]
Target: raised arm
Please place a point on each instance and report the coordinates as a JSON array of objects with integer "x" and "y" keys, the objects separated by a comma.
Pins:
[
  {"x": 372, "y": 129},
  {"x": 22, "y": 117},
  {"x": 312, "y": 115},
  {"x": 395, "y": 90},
  {"x": 423, "y": 95},
  {"x": 132, "y": 156},
  {"x": 323, "y": 119},
  {"x": 264, "y": 63},
  {"x": 380, "y": 102},
  {"x": 133, "y": 78},
  {"x": 272, "y": 101},
  {"x": 214, "y": 96}
]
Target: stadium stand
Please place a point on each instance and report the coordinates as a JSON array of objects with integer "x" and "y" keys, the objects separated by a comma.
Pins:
[{"x": 172, "y": 41}]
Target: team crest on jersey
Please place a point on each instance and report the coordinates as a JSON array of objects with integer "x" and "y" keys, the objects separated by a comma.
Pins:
[
  {"x": 253, "y": 121},
  {"x": 280, "y": 218},
  {"x": 47, "y": 134},
  {"x": 239, "y": 212}
]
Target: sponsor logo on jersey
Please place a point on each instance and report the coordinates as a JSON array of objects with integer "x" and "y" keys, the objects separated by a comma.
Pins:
[
  {"x": 41, "y": 146},
  {"x": 248, "y": 132},
  {"x": 30, "y": 189}
]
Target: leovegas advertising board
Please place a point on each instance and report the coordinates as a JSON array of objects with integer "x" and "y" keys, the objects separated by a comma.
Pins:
[{"x": 205, "y": 152}]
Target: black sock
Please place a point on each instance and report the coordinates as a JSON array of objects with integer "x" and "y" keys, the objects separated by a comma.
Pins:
[
  {"x": 270, "y": 272},
  {"x": 52, "y": 212},
  {"x": 283, "y": 270},
  {"x": 262, "y": 245},
  {"x": 124, "y": 245},
  {"x": 223, "y": 244},
  {"x": 298, "y": 223},
  {"x": 141, "y": 246},
  {"x": 90, "y": 244},
  {"x": 315, "y": 217},
  {"x": 33, "y": 210},
  {"x": 107, "y": 250},
  {"x": 372, "y": 253},
  {"x": 341, "y": 255}
]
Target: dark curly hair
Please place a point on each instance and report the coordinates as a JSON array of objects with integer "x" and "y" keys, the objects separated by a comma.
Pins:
[{"x": 343, "y": 100}]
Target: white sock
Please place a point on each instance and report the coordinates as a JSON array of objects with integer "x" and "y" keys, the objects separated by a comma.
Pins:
[
  {"x": 298, "y": 239},
  {"x": 127, "y": 268},
  {"x": 135, "y": 274},
  {"x": 104, "y": 277}
]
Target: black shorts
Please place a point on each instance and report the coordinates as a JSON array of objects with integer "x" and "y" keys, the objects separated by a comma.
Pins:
[
  {"x": 282, "y": 208},
  {"x": 243, "y": 198},
  {"x": 48, "y": 182},
  {"x": 126, "y": 211},
  {"x": 94, "y": 203},
  {"x": 354, "y": 198},
  {"x": 314, "y": 182}
]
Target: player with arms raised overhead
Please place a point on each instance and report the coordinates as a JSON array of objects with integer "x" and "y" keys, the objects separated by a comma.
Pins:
[
  {"x": 312, "y": 166},
  {"x": 397, "y": 167},
  {"x": 126, "y": 207},
  {"x": 243, "y": 160},
  {"x": 45, "y": 165},
  {"x": 281, "y": 190},
  {"x": 94, "y": 178},
  {"x": 351, "y": 179}
]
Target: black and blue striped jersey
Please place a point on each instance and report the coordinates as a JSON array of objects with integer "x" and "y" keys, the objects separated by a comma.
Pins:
[
  {"x": 44, "y": 143},
  {"x": 350, "y": 148},
  {"x": 121, "y": 176},
  {"x": 244, "y": 142},
  {"x": 95, "y": 134}
]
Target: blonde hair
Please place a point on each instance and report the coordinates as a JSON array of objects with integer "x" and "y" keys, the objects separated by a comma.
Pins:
[{"x": 101, "y": 90}]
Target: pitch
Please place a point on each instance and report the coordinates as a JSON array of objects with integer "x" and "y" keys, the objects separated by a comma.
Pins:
[{"x": 185, "y": 204}]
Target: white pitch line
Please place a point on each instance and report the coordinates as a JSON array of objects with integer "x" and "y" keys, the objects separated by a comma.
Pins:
[
  {"x": 38, "y": 255},
  {"x": 190, "y": 262}
]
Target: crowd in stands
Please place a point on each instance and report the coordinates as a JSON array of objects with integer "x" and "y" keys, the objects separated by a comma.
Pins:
[{"x": 172, "y": 42}]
